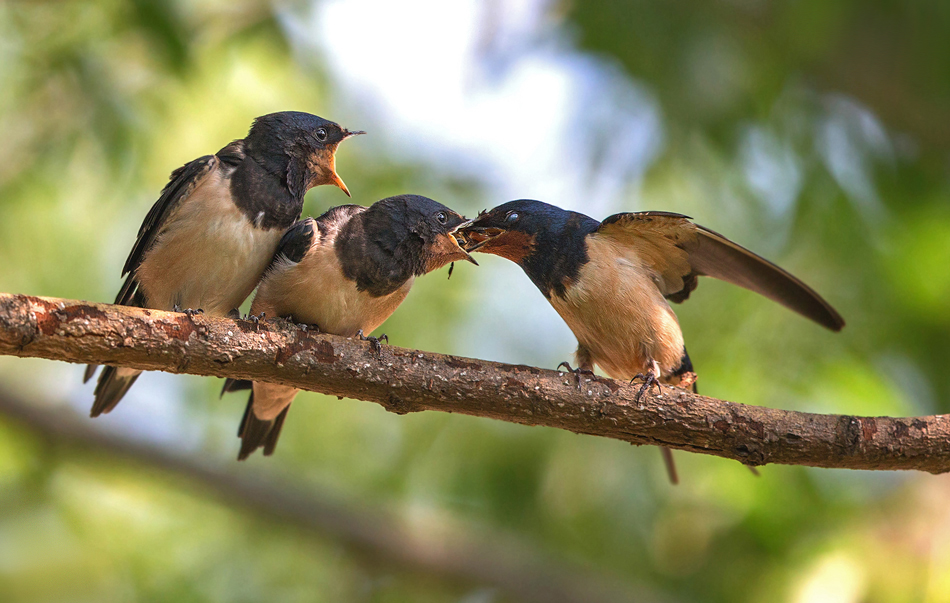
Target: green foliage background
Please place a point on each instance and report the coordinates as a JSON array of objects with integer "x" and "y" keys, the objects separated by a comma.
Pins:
[{"x": 99, "y": 101}]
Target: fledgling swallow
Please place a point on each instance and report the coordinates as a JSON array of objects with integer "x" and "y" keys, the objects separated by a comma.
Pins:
[
  {"x": 611, "y": 281},
  {"x": 345, "y": 273},
  {"x": 207, "y": 240}
]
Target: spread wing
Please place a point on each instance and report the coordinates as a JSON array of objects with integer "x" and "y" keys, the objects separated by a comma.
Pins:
[{"x": 679, "y": 251}]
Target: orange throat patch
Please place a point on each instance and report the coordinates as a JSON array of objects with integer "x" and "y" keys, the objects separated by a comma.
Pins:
[
  {"x": 511, "y": 245},
  {"x": 322, "y": 167},
  {"x": 441, "y": 251}
]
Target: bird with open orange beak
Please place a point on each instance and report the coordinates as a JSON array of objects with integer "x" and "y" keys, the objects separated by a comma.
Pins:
[{"x": 207, "y": 240}]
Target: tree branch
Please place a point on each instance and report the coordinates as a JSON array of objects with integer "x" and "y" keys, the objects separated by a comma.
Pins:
[
  {"x": 404, "y": 381},
  {"x": 481, "y": 557}
]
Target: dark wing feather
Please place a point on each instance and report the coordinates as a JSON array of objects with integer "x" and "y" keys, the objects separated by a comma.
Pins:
[
  {"x": 717, "y": 256},
  {"x": 255, "y": 433},
  {"x": 679, "y": 250},
  {"x": 296, "y": 241},
  {"x": 235, "y": 385},
  {"x": 182, "y": 182}
]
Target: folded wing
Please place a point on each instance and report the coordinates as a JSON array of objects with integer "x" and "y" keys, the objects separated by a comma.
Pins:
[{"x": 182, "y": 182}]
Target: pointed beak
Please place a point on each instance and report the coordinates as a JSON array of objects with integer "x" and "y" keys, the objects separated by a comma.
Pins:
[
  {"x": 472, "y": 237},
  {"x": 459, "y": 239},
  {"x": 337, "y": 181},
  {"x": 334, "y": 178},
  {"x": 468, "y": 256}
]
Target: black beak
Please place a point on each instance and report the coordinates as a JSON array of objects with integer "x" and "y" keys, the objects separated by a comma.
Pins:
[
  {"x": 460, "y": 239},
  {"x": 471, "y": 235}
]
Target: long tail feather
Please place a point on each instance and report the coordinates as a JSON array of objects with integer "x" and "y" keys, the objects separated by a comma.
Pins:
[
  {"x": 112, "y": 386},
  {"x": 255, "y": 433}
]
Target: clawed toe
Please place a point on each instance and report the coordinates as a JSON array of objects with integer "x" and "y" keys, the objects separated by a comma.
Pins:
[
  {"x": 255, "y": 318},
  {"x": 305, "y": 327},
  {"x": 374, "y": 341},
  {"x": 576, "y": 372},
  {"x": 188, "y": 311},
  {"x": 649, "y": 380}
]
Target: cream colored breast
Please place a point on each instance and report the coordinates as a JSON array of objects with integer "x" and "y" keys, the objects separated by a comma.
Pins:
[
  {"x": 616, "y": 311},
  {"x": 316, "y": 292},
  {"x": 209, "y": 255}
]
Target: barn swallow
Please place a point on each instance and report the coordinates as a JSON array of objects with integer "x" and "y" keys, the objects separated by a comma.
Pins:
[
  {"x": 207, "y": 240},
  {"x": 612, "y": 282},
  {"x": 345, "y": 273}
]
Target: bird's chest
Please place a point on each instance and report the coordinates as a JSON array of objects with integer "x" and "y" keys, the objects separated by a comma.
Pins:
[
  {"x": 315, "y": 291},
  {"x": 617, "y": 312},
  {"x": 208, "y": 255}
]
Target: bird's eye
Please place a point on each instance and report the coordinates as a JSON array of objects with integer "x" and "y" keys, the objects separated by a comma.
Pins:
[
  {"x": 441, "y": 217},
  {"x": 512, "y": 217},
  {"x": 321, "y": 134}
]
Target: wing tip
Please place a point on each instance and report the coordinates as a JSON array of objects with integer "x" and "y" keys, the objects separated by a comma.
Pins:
[{"x": 835, "y": 322}]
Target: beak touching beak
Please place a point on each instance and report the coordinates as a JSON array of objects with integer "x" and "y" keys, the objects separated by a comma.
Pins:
[
  {"x": 472, "y": 237},
  {"x": 459, "y": 239}
]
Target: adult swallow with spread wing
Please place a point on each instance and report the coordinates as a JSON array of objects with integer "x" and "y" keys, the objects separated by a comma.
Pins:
[
  {"x": 345, "y": 273},
  {"x": 612, "y": 281},
  {"x": 208, "y": 239}
]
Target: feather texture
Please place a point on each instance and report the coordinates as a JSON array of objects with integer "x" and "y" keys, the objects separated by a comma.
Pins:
[{"x": 678, "y": 250}]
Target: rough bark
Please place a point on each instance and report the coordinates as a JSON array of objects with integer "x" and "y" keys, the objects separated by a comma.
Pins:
[{"x": 403, "y": 381}]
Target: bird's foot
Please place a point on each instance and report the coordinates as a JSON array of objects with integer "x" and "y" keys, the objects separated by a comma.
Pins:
[
  {"x": 649, "y": 380},
  {"x": 290, "y": 321},
  {"x": 577, "y": 372},
  {"x": 374, "y": 341},
  {"x": 188, "y": 311},
  {"x": 255, "y": 318}
]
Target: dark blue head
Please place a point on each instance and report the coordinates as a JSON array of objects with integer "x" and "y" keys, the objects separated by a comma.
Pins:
[
  {"x": 299, "y": 147},
  {"x": 518, "y": 229},
  {"x": 420, "y": 227},
  {"x": 546, "y": 241}
]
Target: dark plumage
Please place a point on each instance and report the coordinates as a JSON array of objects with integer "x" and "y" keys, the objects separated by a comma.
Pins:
[
  {"x": 345, "y": 272},
  {"x": 206, "y": 241},
  {"x": 611, "y": 281}
]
